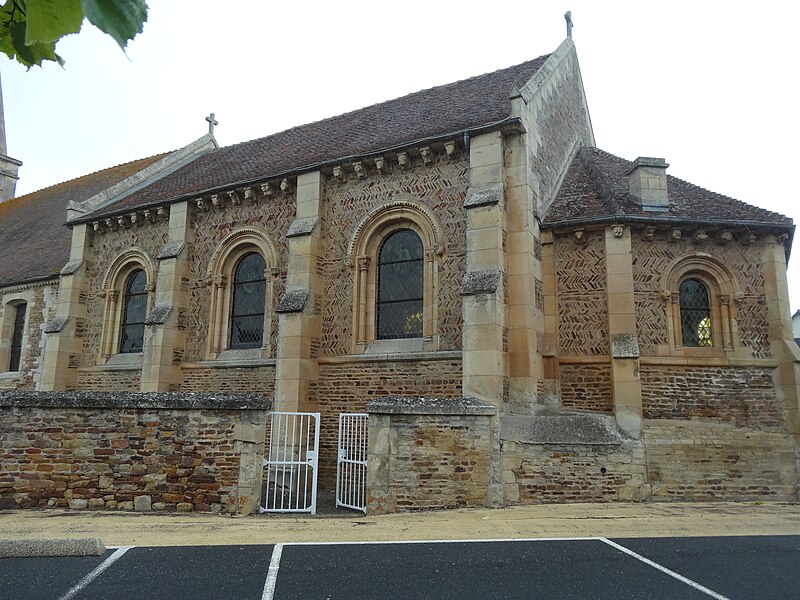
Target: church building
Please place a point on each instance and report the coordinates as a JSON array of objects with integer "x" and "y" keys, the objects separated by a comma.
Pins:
[{"x": 524, "y": 316}]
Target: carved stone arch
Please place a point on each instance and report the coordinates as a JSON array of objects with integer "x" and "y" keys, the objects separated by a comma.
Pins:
[
  {"x": 724, "y": 292},
  {"x": 113, "y": 292},
  {"x": 363, "y": 250},
  {"x": 219, "y": 274}
]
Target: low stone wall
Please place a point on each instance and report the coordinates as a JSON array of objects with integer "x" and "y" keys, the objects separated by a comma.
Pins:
[
  {"x": 132, "y": 451},
  {"x": 702, "y": 460},
  {"x": 427, "y": 453},
  {"x": 570, "y": 458}
]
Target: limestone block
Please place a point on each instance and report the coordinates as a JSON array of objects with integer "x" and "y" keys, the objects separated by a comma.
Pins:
[{"x": 142, "y": 503}]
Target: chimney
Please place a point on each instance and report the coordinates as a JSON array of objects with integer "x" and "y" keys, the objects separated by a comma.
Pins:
[
  {"x": 8, "y": 165},
  {"x": 647, "y": 183}
]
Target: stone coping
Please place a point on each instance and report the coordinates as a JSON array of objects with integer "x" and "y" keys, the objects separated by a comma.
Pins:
[
  {"x": 414, "y": 405},
  {"x": 563, "y": 429},
  {"x": 135, "y": 400}
]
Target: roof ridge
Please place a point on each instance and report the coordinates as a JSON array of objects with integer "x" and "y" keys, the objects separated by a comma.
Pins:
[{"x": 383, "y": 102}]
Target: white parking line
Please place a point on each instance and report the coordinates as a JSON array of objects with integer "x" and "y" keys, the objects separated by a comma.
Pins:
[
  {"x": 669, "y": 572},
  {"x": 95, "y": 573},
  {"x": 272, "y": 574}
]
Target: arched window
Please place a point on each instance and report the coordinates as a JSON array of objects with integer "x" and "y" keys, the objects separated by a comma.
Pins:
[
  {"x": 247, "y": 306},
  {"x": 242, "y": 275},
  {"x": 395, "y": 253},
  {"x": 134, "y": 312},
  {"x": 400, "y": 286},
  {"x": 695, "y": 313},
  {"x": 16, "y": 336}
]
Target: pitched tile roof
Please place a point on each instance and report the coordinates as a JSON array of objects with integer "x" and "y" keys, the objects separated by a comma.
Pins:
[
  {"x": 34, "y": 243},
  {"x": 596, "y": 186},
  {"x": 437, "y": 111}
]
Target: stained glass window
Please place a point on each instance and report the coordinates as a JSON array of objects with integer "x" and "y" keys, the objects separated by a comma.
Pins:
[
  {"x": 16, "y": 337},
  {"x": 400, "y": 286},
  {"x": 134, "y": 311},
  {"x": 695, "y": 313},
  {"x": 247, "y": 310}
]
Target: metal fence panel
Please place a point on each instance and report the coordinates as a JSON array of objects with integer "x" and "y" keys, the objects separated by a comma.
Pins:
[{"x": 351, "y": 464}]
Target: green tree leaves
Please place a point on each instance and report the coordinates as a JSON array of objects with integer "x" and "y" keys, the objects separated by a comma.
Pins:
[{"x": 30, "y": 29}]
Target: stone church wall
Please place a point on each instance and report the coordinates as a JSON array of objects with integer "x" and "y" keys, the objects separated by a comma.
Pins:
[
  {"x": 706, "y": 460},
  {"x": 103, "y": 379},
  {"x": 651, "y": 263},
  {"x": 441, "y": 186},
  {"x": 150, "y": 238},
  {"x": 273, "y": 216},
  {"x": 41, "y": 299},
  {"x": 587, "y": 387}
]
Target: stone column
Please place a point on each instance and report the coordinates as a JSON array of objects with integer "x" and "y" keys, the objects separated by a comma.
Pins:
[
  {"x": 525, "y": 291},
  {"x": 164, "y": 339},
  {"x": 64, "y": 334},
  {"x": 622, "y": 330},
  {"x": 782, "y": 345},
  {"x": 485, "y": 362},
  {"x": 298, "y": 320}
]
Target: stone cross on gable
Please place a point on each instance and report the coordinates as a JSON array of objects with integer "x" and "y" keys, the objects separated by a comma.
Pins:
[
  {"x": 211, "y": 122},
  {"x": 568, "y": 18}
]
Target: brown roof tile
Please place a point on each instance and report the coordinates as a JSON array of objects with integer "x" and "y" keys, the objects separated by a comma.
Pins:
[
  {"x": 426, "y": 114},
  {"x": 34, "y": 243},
  {"x": 596, "y": 186}
]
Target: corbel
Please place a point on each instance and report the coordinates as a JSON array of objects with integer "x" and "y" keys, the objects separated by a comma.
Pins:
[
  {"x": 618, "y": 230},
  {"x": 234, "y": 197},
  {"x": 674, "y": 235},
  {"x": 649, "y": 233},
  {"x": 380, "y": 165},
  {"x": 286, "y": 186},
  {"x": 580, "y": 236},
  {"x": 249, "y": 195},
  {"x": 339, "y": 174},
  {"x": 267, "y": 190},
  {"x": 427, "y": 155},
  {"x": 748, "y": 239},
  {"x": 122, "y": 222},
  {"x": 217, "y": 201},
  {"x": 97, "y": 227},
  {"x": 665, "y": 296},
  {"x": 360, "y": 170},
  {"x": 111, "y": 224},
  {"x": 403, "y": 160},
  {"x": 724, "y": 237},
  {"x": 162, "y": 213},
  {"x": 450, "y": 149},
  {"x": 700, "y": 236},
  {"x": 150, "y": 216},
  {"x": 201, "y": 205},
  {"x": 135, "y": 219}
]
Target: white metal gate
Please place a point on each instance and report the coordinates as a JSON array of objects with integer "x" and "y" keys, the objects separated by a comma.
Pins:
[
  {"x": 351, "y": 463},
  {"x": 290, "y": 481}
]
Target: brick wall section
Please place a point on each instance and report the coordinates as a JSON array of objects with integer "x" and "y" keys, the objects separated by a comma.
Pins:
[
  {"x": 150, "y": 238},
  {"x": 587, "y": 387},
  {"x": 429, "y": 460},
  {"x": 272, "y": 216},
  {"x": 693, "y": 460},
  {"x": 581, "y": 291},
  {"x": 105, "y": 457},
  {"x": 651, "y": 263},
  {"x": 576, "y": 473},
  {"x": 743, "y": 397},
  {"x": 257, "y": 380},
  {"x": 441, "y": 186},
  {"x": 106, "y": 380},
  {"x": 348, "y": 387}
]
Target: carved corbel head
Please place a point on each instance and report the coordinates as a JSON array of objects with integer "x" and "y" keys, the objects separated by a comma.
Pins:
[
  {"x": 339, "y": 174},
  {"x": 675, "y": 235},
  {"x": 450, "y": 149},
  {"x": 618, "y": 230},
  {"x": 427, "y": 155},
  {"x": 580, "y": 236},
  {"x": 286, "y": 186},
  {"x": 360, "y": 170},
  {"x": 403, "y": 160}
]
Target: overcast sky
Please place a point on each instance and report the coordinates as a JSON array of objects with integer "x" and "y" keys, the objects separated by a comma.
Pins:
[{"x": 709, "y": 86}]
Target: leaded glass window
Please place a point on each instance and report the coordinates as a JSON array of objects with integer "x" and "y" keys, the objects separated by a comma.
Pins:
[
  {"x": 134, "y": 311},
  {"x": 16, "y": 337},
  {"x": 247, "y": 310},
  {"x": 400, "y": 286},
  {"x": 695, "y": 313}
]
